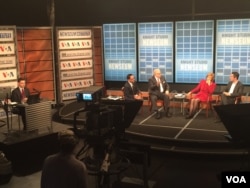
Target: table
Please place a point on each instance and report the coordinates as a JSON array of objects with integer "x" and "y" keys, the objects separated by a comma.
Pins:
[{"x": 179, "y": 97}]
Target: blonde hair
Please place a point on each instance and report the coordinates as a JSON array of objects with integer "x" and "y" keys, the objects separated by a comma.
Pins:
[{"x": 210, "y": 74}]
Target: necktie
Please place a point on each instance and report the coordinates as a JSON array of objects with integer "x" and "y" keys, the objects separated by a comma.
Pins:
[
  {"x": 23, "y": 94},
  {"x": 161, "y": 88},
  {"x": 132, "y": 87}
]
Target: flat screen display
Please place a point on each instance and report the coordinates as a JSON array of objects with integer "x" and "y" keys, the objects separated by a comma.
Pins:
[
  {"x": 193, "y": 50},
  {"x": 87, "y": 97},
  {"x": 232, "y": 50},
  {"x": 119, "y": 51},
  {"x": 84, "y": 97},
  {"x": 155, "y": 49}
]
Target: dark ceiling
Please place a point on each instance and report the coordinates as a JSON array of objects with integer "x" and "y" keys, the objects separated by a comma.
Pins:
[{"x": 97, "y": 12}]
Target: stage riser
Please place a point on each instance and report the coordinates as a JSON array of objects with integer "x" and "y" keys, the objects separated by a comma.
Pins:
[
  {"x": 28, "y": 156},
  {"x": 169, "y": 145}
]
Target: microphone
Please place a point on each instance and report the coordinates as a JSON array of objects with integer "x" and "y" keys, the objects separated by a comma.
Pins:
[{"x": 34, "y": 89}]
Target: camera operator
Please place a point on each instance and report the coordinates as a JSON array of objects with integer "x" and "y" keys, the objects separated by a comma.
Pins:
[{"x": 63, "y": 169}]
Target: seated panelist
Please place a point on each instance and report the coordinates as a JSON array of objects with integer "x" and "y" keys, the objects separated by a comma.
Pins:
[
  {"x": 233, "y": 89},
  {"x": 159, "y": 89},
  {"x": 130, "y": 89},
  {"x": 20, "y": 95},
  {"x": 204, "y": 91}
]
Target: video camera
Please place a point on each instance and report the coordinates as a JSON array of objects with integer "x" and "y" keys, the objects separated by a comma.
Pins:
[
  {"x": 90, "y": 94},
  {"x": 102, "y": 114},
  {"x": 99, "y": 119},
  {"x": 104, "y": 127}
]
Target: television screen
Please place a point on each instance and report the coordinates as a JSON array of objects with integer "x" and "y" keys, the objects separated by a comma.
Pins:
[
  {"x": 119, "y": 51},
  {"x": 87, "y": 97},
  {"x": 232, "y": 50},
  {"x": 193, "y": 50},
  {"x": 155, "y": 49}
]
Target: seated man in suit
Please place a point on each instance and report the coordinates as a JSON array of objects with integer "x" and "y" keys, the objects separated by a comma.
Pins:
[
  {"x": 130, "y": 89},
  {"x": 233, "y": 89},
  {"x": 20, "y": 95},
  {"x": 159, "y": 89}
]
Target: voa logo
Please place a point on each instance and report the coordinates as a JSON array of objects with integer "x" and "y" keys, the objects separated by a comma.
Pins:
[{"x": 236, "y": 179}]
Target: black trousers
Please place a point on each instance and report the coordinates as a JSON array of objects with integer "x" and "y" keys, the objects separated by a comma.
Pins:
[
  {"x": 227, "y": 100},
  {"x": 161, "y": 96},
  {"x": 21, "y": 112}
]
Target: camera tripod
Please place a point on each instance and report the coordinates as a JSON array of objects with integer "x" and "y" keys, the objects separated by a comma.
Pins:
[{"x": 103, "y": 159}]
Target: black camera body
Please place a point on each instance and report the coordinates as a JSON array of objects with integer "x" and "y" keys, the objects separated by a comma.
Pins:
[{"x": 90, "y": 94}]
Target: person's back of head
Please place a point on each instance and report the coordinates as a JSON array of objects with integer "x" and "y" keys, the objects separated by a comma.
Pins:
[{"x": 67, "y": 140}]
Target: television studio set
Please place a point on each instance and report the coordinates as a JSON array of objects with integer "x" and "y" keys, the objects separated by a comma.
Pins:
[{"x": 115, "y": 93}]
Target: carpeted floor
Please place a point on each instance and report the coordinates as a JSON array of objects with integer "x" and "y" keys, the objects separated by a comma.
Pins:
[
  {"x": 166, "y": 169},
  {"x": 199, "y": 134},
  {"x": 198, "y": 128}
]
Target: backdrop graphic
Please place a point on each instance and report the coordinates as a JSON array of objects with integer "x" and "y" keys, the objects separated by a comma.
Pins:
[
  {"x": 233, "y": 50},
  {"x": 119, "y": 51},
  {"x": 75, "y": 57},
  {"x": 8, "y": 55},
  {"x": 155, "y": 48},
  {"x": 8, "y": 60},
  {"x": 194, "y": 42}
]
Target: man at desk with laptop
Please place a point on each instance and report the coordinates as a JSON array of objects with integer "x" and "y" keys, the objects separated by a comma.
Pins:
[{"x": 20, "y": 95}]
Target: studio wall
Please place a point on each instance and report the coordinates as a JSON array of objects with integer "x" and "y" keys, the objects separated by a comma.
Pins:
[
  {"x": 97, "y": 12},
  {"x": 36, "y": 60}
]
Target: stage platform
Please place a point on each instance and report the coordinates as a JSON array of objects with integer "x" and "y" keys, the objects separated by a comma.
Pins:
[
  {"x": 199, "y": 135},
  {"x": 196, "y": 138},
  {"x": 27, "y": 149}
]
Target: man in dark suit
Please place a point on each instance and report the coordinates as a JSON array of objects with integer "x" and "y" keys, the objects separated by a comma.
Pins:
[
  {"x": 130, "y": 89},
  {"x": 233, "y": 89},
  {"x": 20, "y": 95},
  {"x": 159, "y": 89}
]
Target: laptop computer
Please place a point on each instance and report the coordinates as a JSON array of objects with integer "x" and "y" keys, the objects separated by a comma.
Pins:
[
  {"x": 236, "y": 118},
  {"x": 33, "y": 98}
]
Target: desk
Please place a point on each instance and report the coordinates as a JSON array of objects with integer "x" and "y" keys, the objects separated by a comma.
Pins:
[
  {"x": 2, "y": 117},
  {"x": 37, "y": 115},
  {"x": 179, "y": 98}
]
